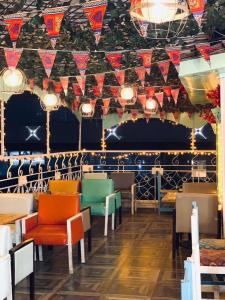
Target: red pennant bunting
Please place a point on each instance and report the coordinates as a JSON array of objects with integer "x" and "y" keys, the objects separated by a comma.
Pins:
[
  {"x": 81, "y": 81},
  {"x": 115, "y": 90},
  {"x": 176, "y": 116},
  {"x": 106, "y": 102},
  {"x": 95, "y": 11},
  {"x": 14, "y": 24},
  {"x": 205, "y": 50},
  {"x": 47, "y": 58},
  {"x": 64, "y": 82},
  {"x": 120, "y": 76},
  {"x": 114, "y": 59},
  {"x": 134, "y": 114},
  {"x": 45, "y": 84},
  {"x": 162, "y": 115},
  {"x": 122, "y": 102},
  {"x": 175, "y": 94},
  {"x": 31, "y": 84},
  {"x": 190, "y": 115},
  {"x": 93, "y": 102},
  {"x": 141, "y": 74},
  {"x": 164, "y": 68},
  {"x": 53, "y": 19},
  {"x": 81, "y": 59},
  {"x": 142, "y": 100},
  {"x": 96, "y": 91},
  {"x": 76, "y": 103},
  {"x": 143, "y": 28},
  {"x": 120, "y": 112},
  {"x": 105, "y": 110},
  {"x": 146, "y": 56},
  {"x": 57, "y": 87},
  {"x": 77, "y": 90},
  {"x": 167, "y": 91},
  {"x": 150, "y": 92},
  {"x": 100, "y": 80},
  {"x": 159, "y": 97},
  {"x": 197, "y": 8},
  {"x": 175, "y": 56},
  {"x": 12, "y": 57}
]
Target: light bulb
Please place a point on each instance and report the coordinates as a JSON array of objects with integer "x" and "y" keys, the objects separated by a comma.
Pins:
[
  {"x": 50, "y": 100},
  {"x": 127, "y": 93},
  {"x": 151, "y": 104},
  {"x": 159, "y": 11},
  {"x": 12, "y": 78},
  {"x": 86, "y": 108}
]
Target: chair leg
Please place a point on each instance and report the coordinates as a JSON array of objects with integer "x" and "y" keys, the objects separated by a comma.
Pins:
[
  {"x": 132, "y": 206},
  {"x": 120, "y": 215},
  {"x": 106, "y": 224},
  {"x": 89, "y": 240},
  {"x": 78, "y": 253},
  {"x": 82, "y": 251},
  {"x": 70, "y": 258},
  {"x": 40, "y": 253},
  {"x": 113, "y": 221},
  {"x": 32, "y": 286}
]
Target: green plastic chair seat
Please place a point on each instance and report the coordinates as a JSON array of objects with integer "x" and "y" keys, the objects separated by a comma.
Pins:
[{"x": 98, "y": 209}]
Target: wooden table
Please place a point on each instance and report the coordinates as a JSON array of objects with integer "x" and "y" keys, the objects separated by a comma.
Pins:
[
  {"x": 169, "y": 197},
  {"x": 10, "y": 218}
]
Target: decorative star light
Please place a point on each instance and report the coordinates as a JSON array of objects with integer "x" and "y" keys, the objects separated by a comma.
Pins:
[
  {"x": 32, "y": 133},
  {"x": 199, "y": 132},
  {"x": 112, "y": 132}
]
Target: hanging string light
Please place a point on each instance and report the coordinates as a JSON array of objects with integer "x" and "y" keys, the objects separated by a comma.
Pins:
[
  {"x": 12, "y": 81},
  {"x": 50, "y": 101}
]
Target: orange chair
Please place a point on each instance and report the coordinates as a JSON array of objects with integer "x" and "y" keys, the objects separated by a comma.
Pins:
[
  {"x": 65, "y": 187},
  {"x": 58, "y": 222}
]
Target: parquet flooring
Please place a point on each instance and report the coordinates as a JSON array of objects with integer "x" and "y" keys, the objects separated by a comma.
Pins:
[{"x": 133, "y": 263}]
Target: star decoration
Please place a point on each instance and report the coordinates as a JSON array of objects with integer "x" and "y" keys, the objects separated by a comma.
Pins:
[
  {"x": 199, "y": 132},
  {"x": 112, "y": 132},
  {"x": 32, "y": 133}
]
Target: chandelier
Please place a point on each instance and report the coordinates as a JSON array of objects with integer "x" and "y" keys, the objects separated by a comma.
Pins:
[{"x": 159, "y": 18}]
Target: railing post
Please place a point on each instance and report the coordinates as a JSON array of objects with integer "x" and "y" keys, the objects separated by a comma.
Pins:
[
  {"x": 48, "y": 132},
  {"x": 2, "y": 128}
]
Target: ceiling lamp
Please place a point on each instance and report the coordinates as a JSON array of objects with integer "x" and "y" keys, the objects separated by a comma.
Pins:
[
  {"x": 128, "y": 93},
  {"x": 13, "y": 81},
  {"x": 151, "y": 105},
  {"x": 86, "y": 110},
  {"x": 146, "y": 12},
  {"x": 50, "y": 101}
]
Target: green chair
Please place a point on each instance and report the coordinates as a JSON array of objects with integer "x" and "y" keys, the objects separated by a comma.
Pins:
[{"x": 100, "y": 196}]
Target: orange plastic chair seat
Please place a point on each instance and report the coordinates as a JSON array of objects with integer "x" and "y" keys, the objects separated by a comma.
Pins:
[{"x": 48, "y": 235}]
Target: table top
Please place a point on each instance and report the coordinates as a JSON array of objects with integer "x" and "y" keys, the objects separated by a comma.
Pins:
[
  {"x": 170, "y": 197},
  {"x": 10, "y": 218}
]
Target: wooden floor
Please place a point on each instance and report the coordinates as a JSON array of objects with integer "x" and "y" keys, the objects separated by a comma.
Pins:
[{"x": 133, "y": 263}]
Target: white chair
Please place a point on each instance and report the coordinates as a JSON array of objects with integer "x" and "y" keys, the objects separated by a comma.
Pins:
[
  {"x": 5, "y": 240},
  {"x": 22, "y": 265},
  {"x": 5, "y": 278}
]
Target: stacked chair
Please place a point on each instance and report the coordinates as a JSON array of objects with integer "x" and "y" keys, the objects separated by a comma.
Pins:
[{"x": 67, "y": 187}]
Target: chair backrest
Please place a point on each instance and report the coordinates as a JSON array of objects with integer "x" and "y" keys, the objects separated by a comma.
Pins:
[
  {"x": 99, "y": 175},
  {"x": 199, "y": 187},
  {"x": 86, "y": 218},
  {"x": 5, "y": 277},
  {"x": 5, "y": 240},
  {"x": 95, "y": 190},
  {"x": 13, "y": 203},
  {"x": 123, "y": 180},
  {"x": 208, "y": 210},
  {"x": 67, "y": 187},
  {"x": 56, "y": 209}
]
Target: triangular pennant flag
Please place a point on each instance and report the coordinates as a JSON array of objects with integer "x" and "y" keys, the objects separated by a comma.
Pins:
[
  {"x": 77, "y": 90},
  {"x": 197, "y": 8},
  {"x": 75, "y": 104},
  {"x": 205, "y": 50},
  {"x": 100, "y": 80},
  {"x": 143, "y": 28},
  {"x": 81, "y": 81},
  {"x": 114, "y": 59},
  {"x": 12, "y": 57},
  {"x": 53, "y": 19},
  {"x": 150, "y": 92},
  {"x": 57, "y": 87},
  {"x": 105, "y": 110},
  {"x": 64, "y": 82},
  {"x": 45, "y": 84},
  {"x": 115, "y": 90},
  {"x": 134, "y": 114},
  {"x": 106, "y": 102},
  {"x": 164, "y": 68},
  {"x": 142, "y": 100},
  {"x": 176, "y": 116},
  {"x": 47, "y": 58},
  {"x": 141, "y": 74},
  {"x": 162, "y": 115},
  {"x": 120, "y": 76},
  {"x": 190, "y": 114},
  {"x": 14, "y": 24},
  {"x": 146, "y": 56},
  {"x": 122, "y": 102},
  {"x": 96, "y": 91},
  {"x": 95, "y": 11},
  {"x": 175, "y": 94},
  {"x": 93, "y": 102},
  {"x": 120, "y": 112},
  {"x": 81, "y": 59},
  {"x": 167, "y": 91},
  {"x": 175, "y": 57},
  {"x": 159, "y": 97}
]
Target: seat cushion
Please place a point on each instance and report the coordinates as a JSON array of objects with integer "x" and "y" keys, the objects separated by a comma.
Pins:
[
  {"x": 48, "y": 235},
  {"x": 216, "y": 244},
  {"x": 209, "y": 257},
  {"x": 98, "y": 209}
]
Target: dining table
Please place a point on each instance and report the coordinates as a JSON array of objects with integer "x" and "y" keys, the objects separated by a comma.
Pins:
[{"x": 10, "y": 218}]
